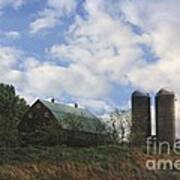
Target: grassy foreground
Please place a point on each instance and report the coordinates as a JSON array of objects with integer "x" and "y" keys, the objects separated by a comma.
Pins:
[{"x": 67, "y": 163}]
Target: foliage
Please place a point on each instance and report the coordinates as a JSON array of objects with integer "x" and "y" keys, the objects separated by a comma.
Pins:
[
  {"x": 12, "y": 108},
  {"x": 51, "y": 154},
  {"x": 61, "y": 162},
  {"x": 120, "y": 125}
]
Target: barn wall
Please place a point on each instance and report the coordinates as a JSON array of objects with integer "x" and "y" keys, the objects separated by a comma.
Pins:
[{"x": 62, "y": 136}]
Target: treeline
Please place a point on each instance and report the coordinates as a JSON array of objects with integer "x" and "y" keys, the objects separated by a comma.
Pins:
[{"x": 12, "y": 108}]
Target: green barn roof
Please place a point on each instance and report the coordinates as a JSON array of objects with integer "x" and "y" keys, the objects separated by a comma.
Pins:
[{"x": 89, "y": 122}]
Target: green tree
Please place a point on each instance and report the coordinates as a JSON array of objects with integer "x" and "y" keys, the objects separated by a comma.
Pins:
[{"x": 12, "y": 108}]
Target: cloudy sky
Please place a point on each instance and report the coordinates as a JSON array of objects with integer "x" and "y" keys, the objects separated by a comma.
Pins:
[{"x": 93, "y": 52}]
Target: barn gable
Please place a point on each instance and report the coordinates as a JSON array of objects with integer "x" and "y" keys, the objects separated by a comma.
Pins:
[{"x": 35, "y": 116}]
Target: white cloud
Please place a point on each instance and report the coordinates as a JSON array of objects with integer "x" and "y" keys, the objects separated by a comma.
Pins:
[
  {"x": 15, "y": 3},
  {"x": 97, "y": 105},
  {"x": 65, "y": 6},
  {"x": 76, "y": 80},
  {"x": 51, "y": 16},
  {"x": 162, "y": 27},
  {"x": 106, "y": 47},
  {"x": 46, "y": 19},
  {"x": 13, "y": 35},
  {"x": 30, "y": 63},
  {"x": 10, "y": 57}
]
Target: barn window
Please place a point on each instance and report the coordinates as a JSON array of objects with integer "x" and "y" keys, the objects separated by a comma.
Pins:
[
  {"x": 46, "y": 114},
  {"x": 30, "y": 115},
  {"x": 38, "y": 106}
]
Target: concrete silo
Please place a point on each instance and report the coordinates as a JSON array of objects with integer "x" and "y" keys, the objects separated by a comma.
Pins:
[
  {"x": 141, "y": 117},
  {"x": 165, "y": 116}
]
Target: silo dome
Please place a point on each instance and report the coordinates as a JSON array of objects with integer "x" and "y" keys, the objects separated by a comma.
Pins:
[
  {"x": 163, "y": 92},
  {"x": 139, "y": 93}
]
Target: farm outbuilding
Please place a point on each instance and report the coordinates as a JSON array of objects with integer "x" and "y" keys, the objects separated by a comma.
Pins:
[
  {"x": 165, "y": 116},
  {"x": 141, "y": 117},
  {"x": 51, "y": 123}
]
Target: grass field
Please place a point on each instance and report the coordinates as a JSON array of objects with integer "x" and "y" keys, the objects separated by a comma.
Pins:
[{"x": 67, "y": 163}]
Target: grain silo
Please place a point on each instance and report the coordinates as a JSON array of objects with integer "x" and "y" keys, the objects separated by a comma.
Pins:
[
  {"x": 141, "y": 117},
  {"x": 165, "y": 116}
]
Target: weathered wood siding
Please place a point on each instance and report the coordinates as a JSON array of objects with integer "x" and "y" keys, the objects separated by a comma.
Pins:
[
  {"x": 39, "y": 126},
  {"x": 37, "y": 117}
]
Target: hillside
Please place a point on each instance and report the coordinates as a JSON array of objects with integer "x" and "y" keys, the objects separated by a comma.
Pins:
[{"x": 66, "y": 163}]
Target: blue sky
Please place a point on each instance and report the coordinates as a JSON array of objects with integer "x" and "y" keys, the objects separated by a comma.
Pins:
[{"x": 93, "y": 52}]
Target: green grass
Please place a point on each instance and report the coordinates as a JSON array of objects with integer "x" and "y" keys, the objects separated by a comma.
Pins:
[
  {"x": 37, "y": 154},
  {"x": 113, "y": 161}
]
